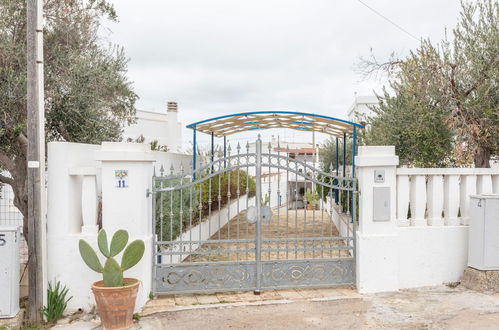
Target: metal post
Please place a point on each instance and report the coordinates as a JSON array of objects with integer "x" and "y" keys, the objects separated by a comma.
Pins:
[
  {"x": 194, "y": 153},
  {"x": 258, "y": 202},
  {"x": 36, "y": 159},
  {"x": 354, "y": 145},
  {"x": 344, "y": 154},
  {"x": 225, "y": 151},
  {"x": 336, "y": 192},
  {"x": 212, "y": 150}
]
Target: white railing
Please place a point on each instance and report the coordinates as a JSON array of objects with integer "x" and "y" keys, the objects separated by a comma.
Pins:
[{"x": 440, "y": 196}]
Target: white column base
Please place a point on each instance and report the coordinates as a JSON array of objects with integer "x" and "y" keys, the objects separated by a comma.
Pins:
[
  {"x": 436, "y": 222},
  {"x": 419, "y": 222},
  {"x": 89, "y": 230}
]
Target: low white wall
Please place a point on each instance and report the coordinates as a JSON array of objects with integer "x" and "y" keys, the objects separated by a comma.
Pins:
[{"x": 431, "y": 255}]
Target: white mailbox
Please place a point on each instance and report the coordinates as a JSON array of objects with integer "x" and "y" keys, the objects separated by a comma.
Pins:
[
  {"x": 483, "y": 249},
  {"x": 9, "y": 271}
]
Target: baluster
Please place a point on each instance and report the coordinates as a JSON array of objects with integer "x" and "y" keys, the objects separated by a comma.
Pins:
[
  {"x": 468, "y": 188},
  {"x": 451, "y": 200},
  {"x": 484, "y": 184},
  {"x": 89, "y": 204},
  {"x": 418, "y": 200},
  {"x": 435, "y": 193},
  {"x": 402, "y": 199},
  {"x": 495, "y": 184}
]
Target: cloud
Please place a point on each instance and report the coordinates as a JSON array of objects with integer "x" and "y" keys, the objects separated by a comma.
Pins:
[{"x": 217, "y": 57}]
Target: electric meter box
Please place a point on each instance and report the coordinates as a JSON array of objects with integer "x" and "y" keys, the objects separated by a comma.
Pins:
[
  {"x": 483, "y": 249},
  {"x": 9, "y": 271}
]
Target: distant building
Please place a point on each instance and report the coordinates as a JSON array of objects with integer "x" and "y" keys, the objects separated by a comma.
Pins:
[
  {"x": 360, "y": 109},
  {"x": 158, "y": 126}
]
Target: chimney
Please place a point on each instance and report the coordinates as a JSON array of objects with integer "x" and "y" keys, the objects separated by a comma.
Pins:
[{"x": 172, "y": 106}]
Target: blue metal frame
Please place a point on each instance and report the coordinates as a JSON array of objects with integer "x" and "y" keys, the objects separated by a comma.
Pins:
[
  {"x": 281, "y": 112},
  {"x": 354, "y": 126}
]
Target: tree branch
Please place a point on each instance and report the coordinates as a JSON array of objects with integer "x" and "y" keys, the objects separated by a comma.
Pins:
[
  {"x": 23, "y": 141},
  {"x": 6, "y": 162},
  {"x": 7, "y": 180}
]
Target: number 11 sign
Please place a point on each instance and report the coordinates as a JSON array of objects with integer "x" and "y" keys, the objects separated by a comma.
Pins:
[{"x": 121, "y": 177}]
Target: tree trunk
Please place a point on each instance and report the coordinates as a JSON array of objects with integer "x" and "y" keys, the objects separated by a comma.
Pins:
[{"x": 482, "y": 157}]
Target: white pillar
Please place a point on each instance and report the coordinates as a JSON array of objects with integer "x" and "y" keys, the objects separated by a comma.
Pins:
[
  {"x": 377, "y": 239},
  {"x": 126, "y": 177}
]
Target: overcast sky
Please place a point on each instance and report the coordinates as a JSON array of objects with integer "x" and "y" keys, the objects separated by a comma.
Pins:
[{"x": 221, "y": 57}]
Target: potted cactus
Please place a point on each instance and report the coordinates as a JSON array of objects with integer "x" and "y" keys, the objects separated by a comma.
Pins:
[{"x": 115, "y": 295}]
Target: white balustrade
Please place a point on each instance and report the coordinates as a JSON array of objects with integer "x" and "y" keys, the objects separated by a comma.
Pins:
[
  {"x": 451, "y": 200},
  {"x": 402, "y": 199},
  {"x": 441, "y": 196},
  {"x": 484, "y": 184},
  {"x": 468, "y": 188},
  {"x": 435, "y": 193},
  {"x": 89, "y": 201},
  {"x": 418, "y": 200}
]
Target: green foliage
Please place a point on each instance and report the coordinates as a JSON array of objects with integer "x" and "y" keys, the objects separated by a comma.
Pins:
[
  {"x": 176, "y": 205},
  {"x": 413, "y": 124},
  {"x": 112, "y": 272},
  {"x": 328, "y": 154},
  {"x": 312, "y": 197},
  {"x": 56, "y": 302},
  {"x": 88, "y": 97},
  {"x": 443, "y": 103}
]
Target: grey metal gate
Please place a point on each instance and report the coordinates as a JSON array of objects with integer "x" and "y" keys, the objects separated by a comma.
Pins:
[{"x": 253, "y": 220}]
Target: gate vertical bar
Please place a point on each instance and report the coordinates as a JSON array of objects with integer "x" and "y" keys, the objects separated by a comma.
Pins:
[
  {"x": 154, "y": 239},
  {"x": 258, "y": 202},
  {"x": 354, "y": 193}
]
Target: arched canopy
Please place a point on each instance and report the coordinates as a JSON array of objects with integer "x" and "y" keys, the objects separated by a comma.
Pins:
[{"x": 248, "y": 121}]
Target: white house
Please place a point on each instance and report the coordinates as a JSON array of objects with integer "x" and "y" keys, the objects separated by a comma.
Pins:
[
  {"x": 158, "y": 126},
  {"x": 360, "y": 109}
]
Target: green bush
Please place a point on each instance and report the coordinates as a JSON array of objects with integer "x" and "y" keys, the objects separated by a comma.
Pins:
[
  {"x": 56, "y": 302},
  {"x": 170, "y": 202}
]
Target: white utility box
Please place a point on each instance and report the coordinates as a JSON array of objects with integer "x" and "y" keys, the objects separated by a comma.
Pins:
[
  {"x": 9, "y": 271},
  {"x": 483, "y": 248}
]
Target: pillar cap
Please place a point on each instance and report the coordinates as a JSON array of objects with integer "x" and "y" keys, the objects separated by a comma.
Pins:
[
  {"x": 121, "y": 151},
  {"x": 375, "y": 156}
]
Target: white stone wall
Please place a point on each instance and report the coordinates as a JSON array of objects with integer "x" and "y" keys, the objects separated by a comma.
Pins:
[
  {"x": 429, "y": 245},
  {"x": 160, "y": 126},
  {"x": 80, "y": 176}
]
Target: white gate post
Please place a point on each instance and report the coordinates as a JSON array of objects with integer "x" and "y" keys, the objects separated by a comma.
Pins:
[
  {"x": 126, "y": 177},
  {"x": 377, "y": 256}
]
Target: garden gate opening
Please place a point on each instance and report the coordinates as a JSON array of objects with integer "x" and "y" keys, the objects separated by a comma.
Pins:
[{"x": 259, "y": 217}]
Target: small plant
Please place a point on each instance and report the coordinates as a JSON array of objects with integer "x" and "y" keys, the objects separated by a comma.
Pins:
[
  {"x": 112, "y": 272},
  {"x": 265, "y": 200},
  {"x": 56, "y": 302},
  {"x": 312, "y": 197},
  {"x": 136, "y": 316}
]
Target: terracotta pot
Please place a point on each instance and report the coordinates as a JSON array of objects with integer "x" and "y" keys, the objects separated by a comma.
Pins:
[{"x": 115, "y": 305}]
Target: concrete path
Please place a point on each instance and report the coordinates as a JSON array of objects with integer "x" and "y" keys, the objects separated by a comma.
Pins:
[{"x": 427, "y": 308}]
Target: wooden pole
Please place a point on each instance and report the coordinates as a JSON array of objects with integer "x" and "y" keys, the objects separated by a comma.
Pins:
[{"x": 36, "y": 158}]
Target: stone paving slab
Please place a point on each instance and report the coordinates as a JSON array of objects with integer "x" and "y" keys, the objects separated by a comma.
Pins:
[{"x": 174, "y": 302}]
